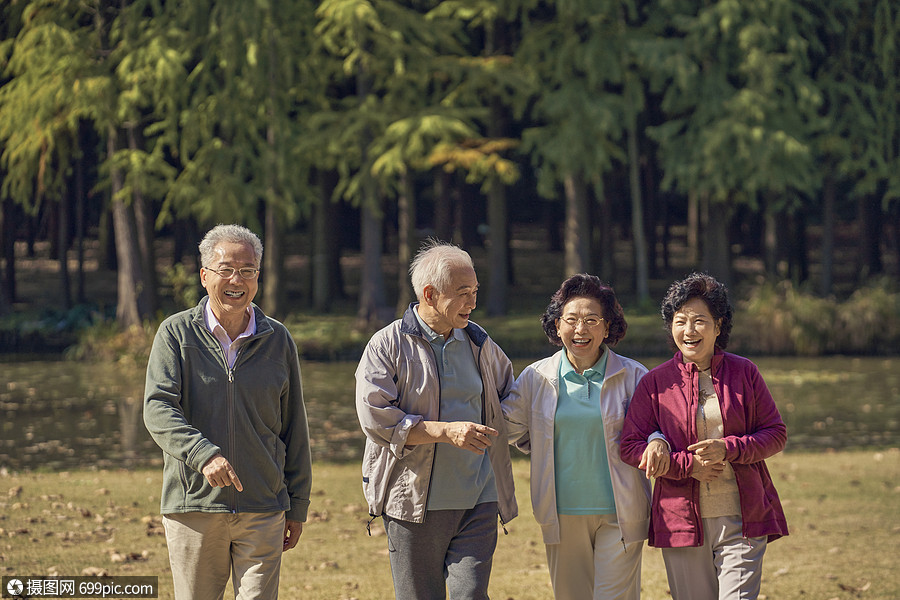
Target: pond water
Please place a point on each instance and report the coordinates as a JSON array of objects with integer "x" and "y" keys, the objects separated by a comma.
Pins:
[{"x": 65, "y": 415}]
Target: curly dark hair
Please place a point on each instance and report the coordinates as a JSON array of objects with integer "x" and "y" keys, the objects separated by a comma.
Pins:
[
  {"x": 711, "y": 291},
  {"x": 588, "y": 286}
]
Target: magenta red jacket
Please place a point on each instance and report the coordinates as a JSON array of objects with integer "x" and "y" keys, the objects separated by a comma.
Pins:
[{"x": 666, "y": 400}]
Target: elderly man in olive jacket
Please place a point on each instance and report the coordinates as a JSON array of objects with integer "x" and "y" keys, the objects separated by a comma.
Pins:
[{"x": 223, "y": 400}]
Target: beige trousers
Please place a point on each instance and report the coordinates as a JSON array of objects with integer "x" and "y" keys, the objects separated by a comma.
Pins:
[
  {"x": 205, "y": 548},
  {"x": 727, "y": 566},
  {"x": 591, "y": 562}
]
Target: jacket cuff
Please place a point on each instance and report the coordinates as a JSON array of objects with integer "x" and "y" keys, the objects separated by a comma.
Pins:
[
  {"x": 658, "y": 435},
  {"x": 298, "y": 512},
  {"x": 204, "y": 451},
  {"x": 401, "y": 434}
]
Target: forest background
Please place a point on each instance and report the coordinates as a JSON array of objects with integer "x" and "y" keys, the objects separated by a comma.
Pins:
[{"x": 639, "y": 140}]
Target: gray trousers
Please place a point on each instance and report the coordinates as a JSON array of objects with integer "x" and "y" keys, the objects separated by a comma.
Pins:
[
  {"x": 727, "y": 566},
  {"x": 450, "y": 552}
]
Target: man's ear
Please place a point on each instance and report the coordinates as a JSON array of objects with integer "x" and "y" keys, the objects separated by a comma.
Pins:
[{"x": 428, "y": 294}]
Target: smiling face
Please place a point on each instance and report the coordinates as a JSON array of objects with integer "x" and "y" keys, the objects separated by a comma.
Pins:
[
  {"x": 229, "y": 298},
  {"x": 449, "y": 309},
  {"x": 695, "y": 331},
  {"x": 582, "y": 343}
]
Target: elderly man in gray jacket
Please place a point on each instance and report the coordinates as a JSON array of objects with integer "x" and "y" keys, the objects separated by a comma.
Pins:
[{"x": 428, "y": 392}]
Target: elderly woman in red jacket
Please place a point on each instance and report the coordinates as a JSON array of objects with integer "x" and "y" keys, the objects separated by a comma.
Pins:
[{"x": 716, "y": 507}]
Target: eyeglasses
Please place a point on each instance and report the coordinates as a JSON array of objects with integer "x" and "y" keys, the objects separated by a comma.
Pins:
[
  {"x": 228, "y": 272},
  {"x": 589, "y": 322}
]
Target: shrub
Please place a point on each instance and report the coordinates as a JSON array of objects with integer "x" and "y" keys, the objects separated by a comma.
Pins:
[{"x": 780, "y": 318}]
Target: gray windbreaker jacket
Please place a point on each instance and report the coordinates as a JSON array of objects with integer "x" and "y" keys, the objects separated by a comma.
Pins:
[
  {"x": 530, "y": 410},
  {"x": 195, "y": 406},
  {"x": 398, "y": 385}
]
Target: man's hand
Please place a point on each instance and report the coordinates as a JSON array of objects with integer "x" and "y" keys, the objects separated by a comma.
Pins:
[
  {"x": 219, "y": 473},
  {"x": 292, "y": 531},
  {"x": 655, "y": 459},
  {"x": 473, "y": 437}
]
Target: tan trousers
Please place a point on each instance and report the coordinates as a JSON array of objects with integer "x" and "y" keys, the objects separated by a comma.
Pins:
[
  {"x": 205, "y": 548},
  {"x": 591, "y": 562}
]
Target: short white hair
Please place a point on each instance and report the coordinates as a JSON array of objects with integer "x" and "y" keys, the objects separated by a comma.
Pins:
[
  {"x": 434, "y": 264},
  {"x": 228, "y": 233}
]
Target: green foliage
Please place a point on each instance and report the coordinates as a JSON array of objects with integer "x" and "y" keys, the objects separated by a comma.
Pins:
[
  {"x": 185, "y": 289},
  {"x": 740, "y": 102},
  {"x": 784, "y": 319}
]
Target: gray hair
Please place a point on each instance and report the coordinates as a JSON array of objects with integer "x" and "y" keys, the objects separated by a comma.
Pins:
[
  {"x": 228, "y": 233},
  {"x": 434, "y": 263}
]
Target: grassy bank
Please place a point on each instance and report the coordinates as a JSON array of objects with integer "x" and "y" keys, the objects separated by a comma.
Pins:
[{"x": 841, "y": 506}]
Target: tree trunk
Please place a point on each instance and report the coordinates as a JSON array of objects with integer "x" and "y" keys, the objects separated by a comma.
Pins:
[
  {"x": 641, "y": 270},
  {"x": 798, "y": 257},
  {"x": 80, "y": 295},
  {"x": 443, "y": 205},
  {"x": 373, "y": 310},
  {"x": 604, "y": 238},
  {"x": 326, "y": 261},
  {"x": 406, "y": 226},
  {"x": 8, "y": 291},
  {"x": 62, "y": 236},
  {"x": 869, "y": 210},
  {"x": 716, "y": 247},
  {"x": 770, "y": 242},
  {"x": 498, "y": 249},
  {"x": 145, "y": 228},
  {"x": 129, "y": 310},
  {"x": 829, "y": 195},
  {"x": 273, "y": 262},
  {"x": 577, "y": 234},
  {"x": 693, "y": 228}
]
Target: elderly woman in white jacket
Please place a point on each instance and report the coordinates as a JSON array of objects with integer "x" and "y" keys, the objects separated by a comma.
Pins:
[{"x": 567, "y": 411}]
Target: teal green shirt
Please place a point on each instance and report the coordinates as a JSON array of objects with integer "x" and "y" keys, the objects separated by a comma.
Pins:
[
  {"x": 460, "y": 479},
  {"x": 583, "y": 485}
]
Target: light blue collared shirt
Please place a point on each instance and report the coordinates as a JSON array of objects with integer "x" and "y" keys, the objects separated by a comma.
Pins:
[
  {"x": 583, "y": 484},
  {"x": 460, "y": 479}
]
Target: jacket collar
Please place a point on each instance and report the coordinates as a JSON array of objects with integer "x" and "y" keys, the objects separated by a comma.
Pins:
[
  {"x": 549, "y": 367},
  {"x": 690, "y": 368},
  {"x": 409, "y": 325},
  {"x": 263, "y": 326}
]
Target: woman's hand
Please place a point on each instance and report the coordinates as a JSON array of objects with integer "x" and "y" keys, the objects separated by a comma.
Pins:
[
  {"x": 707, "y": 472},
  {"x": 709, "y": 451},
  {"x": 655, "y": 459}
]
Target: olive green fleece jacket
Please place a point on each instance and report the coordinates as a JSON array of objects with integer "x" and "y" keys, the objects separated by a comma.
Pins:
[{"x": 195, "y": 407}]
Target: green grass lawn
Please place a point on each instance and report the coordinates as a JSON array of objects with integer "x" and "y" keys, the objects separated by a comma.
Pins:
[{"x": 843, "y": 510}]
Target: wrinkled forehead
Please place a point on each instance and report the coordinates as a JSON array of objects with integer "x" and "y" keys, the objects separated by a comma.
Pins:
[{"x": 235, "y": 254}]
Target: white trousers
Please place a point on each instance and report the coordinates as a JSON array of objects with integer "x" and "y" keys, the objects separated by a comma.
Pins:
[
  {"x": 727, "y": 566},
  {"x": 205, "y": 548},
  {"x": 591, "y": 562}
]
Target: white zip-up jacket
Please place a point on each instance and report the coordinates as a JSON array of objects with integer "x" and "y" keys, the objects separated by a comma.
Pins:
[
  {"x": 530, "y": 411},
  {"x": 398, "y": 385}
]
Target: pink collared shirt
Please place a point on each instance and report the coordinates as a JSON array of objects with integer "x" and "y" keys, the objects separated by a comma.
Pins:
[{"x": 230, "y": 347}]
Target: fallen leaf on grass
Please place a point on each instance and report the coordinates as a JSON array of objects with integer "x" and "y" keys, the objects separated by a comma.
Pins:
[
  {"x": 118, "y": 557},
  {"x": 154, "y": 525},
  {"x": 855, "y": 590}
]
